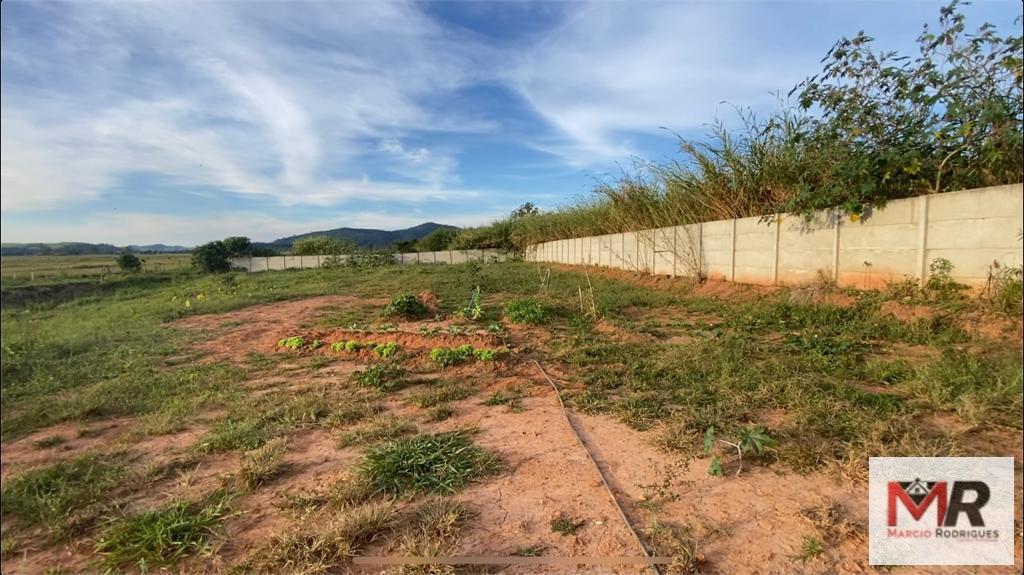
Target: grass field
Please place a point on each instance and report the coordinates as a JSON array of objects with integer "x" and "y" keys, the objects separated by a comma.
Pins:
[
  {"x": 289, "y": 421},
  {"x": 20, "y": 270}
]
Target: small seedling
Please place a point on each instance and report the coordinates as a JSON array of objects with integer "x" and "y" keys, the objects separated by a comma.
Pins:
[
  {"x": 810, "y": 547},
  {"x": 566, "y": 524},
  {"x": 752, "y": 440},
  {"x": 473, "y": 309}
]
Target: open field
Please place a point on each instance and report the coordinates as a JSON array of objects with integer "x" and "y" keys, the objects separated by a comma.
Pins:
[
  {"x": 19, "y": 270},
  {"x": 265, "y": 423}
]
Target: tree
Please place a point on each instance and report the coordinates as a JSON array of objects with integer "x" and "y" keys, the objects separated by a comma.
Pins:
[
  {"x": 322, "y": 246},
  {"x": 238, "y": 246},
  {"x": 527, "y": 209},
  {"x": 211, "y": 257},
  {"x": 404, "y": 246},
  {"x": 437, "y": 240},
  {"x": 891, "y": 126},
  {"x": 129, "y": 263}
]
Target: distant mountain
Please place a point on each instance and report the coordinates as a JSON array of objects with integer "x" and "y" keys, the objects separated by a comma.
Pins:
[
  {"x": 363, "y": 237},
  {"x": 82, "y": 248}
]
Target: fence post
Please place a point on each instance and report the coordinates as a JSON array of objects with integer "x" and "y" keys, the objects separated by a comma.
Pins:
[
  {"x": 675, "y": 236},
  {"x": 775, "y": 255},
  {"x": 835, "y": 247},
  {"x": 922, "y": 238}
]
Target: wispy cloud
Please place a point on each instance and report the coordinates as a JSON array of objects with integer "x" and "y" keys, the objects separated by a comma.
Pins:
[{"x": 284, "y": 101}]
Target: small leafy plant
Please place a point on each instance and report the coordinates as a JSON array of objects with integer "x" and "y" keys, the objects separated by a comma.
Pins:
[
  {"x": 751, "y": 440},
  {"x": 525, "y": 311},
  {"x": 473, "y": 309},
  {"x": 485, "y": 354},
  {"x": 293, "y": 342},
  {"x": 407, "y": 306},
  {"x": 386, "y": 349},
  {"x": 381, "y": 376},
  {"x": 449, "y": 356}
]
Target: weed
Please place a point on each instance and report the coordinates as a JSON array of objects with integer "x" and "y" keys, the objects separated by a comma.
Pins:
[
  {"x": 354, "y": 411},
  {"x": 406, "y": 306},
  {"x": 676, "y": 541},
  {"x": 810, "y": 547},
  {"x": 381, "y": 428},
  {"x": 440, "y": 413},
  {"x": 323, "y": 548},
  {"x": 352, "y": 489},
  {"x": 230, "y": 434},
  {"x": 436, "y": 463},
  {"x": 316, "y": 344},
  {"x": 8, "y": 545},
  {"x": 509, "y": 397},
  {"x": 48, "y": 442},
  {"x": 588, "y": 401},
  {"x": 536, "y": 550},
  {"x": 160, "y": 537},
  {"x": 66, "y": 495},
  {"x": 263, "y": 464},
  {"x": 441, "y": 393},
  {"x": 526, "y": 310},
  {"x": 828, "y": 518},
  {"x": 566, "y": 524},
  {"x": 380, "y": 376}
]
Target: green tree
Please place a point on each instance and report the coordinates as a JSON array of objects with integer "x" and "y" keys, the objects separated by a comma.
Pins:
[
  {"x": 129, "y": 263},
  {"x": 211, "y": 257},
  {"x": 238, "y": 246},
  {"x": 437, "y": 240},
  {"x": 404, "y": 246},
  {"x": 322, "y": 246},
  {"x": 891, "y": 126}
]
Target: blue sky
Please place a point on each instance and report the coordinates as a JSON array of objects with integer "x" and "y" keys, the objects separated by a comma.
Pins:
[{"x": 182, "y": 122}]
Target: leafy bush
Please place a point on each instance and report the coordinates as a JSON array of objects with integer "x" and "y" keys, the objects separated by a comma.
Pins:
[
  {"x": 381, "y": 376},
  {"x": 527, "y": 310},
  {"x": 211, "y": 257},
  {"x": 485, "y": 354},
  {"x": 437, "y": 463},
  {"x": 238, "y": 246},
  {"x": 322, "y": 246},
  {"x": 407, "y": 306},
  {"x": 129, "y": 263},
  {"x": 370, "y": 259}
]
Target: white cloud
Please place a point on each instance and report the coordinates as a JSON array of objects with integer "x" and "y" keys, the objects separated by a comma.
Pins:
[
  {"x": 614, "y": 69},
  {"x": 272, "y": 99}
]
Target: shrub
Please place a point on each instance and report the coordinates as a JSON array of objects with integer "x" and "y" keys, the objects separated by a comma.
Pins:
[
  {"x": 407, "y": 306},
  {"x": 238, "y": 246},
  {"x": 211, "y": 257},
  {"x": 129, "y": 263},
  {"x": 322, "y": 246},
  {"x": 437, "y": 463},
  {"x": 527, "y": 310}
]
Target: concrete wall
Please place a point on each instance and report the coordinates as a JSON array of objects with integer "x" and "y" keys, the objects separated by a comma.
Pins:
[
  {"x": 970, "y": 228},
  {"x": 260, "y": 264}
]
